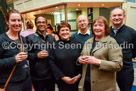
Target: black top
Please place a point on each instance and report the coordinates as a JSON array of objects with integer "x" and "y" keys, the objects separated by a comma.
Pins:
[
  {"x": 39, "y": 67},
  {"x": 8, "y": 49},
  {"x": 63, "y": 59},
  {"x": 126, "y": 38}
]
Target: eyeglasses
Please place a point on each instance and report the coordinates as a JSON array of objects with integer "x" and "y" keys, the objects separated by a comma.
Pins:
[{"x": 40, "y": 22}]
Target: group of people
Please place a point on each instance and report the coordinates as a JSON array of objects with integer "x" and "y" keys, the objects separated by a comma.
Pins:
[{"x": 95, "y": 65}]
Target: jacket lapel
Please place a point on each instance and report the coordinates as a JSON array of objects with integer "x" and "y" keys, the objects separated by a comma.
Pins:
[{"x": 100, "y": 44}]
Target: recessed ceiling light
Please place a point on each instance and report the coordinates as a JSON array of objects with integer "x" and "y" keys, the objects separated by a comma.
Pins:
[
  {"x": 39, "y": 10},
  {"x": 102, "y": 4}
]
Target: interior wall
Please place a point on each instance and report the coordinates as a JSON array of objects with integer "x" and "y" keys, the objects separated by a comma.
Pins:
[
  {"x": 25, "y": 5},
  {"x": 130, "y": 9},
  {"x": 50, "y": 19},
  {"x": 105, "y": 12},
  {"x": 71, "y": 19},
  {"x": 95, "y": 13}
]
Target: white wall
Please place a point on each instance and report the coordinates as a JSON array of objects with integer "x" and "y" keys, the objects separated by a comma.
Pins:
[
  {"x": 130, "y": 9},
  {"x": 25, "y": 5}
]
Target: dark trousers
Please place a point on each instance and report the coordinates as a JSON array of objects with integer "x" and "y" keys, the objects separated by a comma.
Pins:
[
  {"x": 49, "y": 85},
  {"x": 125, "y": 79},
  {"x": 25, "y": 85},
  {"x": 67, "y": 87}
]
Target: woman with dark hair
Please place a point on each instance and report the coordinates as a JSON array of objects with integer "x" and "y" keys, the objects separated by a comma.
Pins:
[
  {"x": 101, "y": 58},
  {"x": 63, "y": 60},
  {"x": 12, "y": 56},
  {"x": 51, "y": 31}
]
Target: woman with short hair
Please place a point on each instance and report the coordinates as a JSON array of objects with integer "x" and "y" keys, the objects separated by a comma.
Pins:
[
  {"x": 101, "y": 58},
  {"x": 63, "y": 60}
]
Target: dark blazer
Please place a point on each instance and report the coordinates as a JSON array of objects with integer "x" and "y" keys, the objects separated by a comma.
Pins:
[
  {"x": 8, "y": 50},
  {"x": 39, "y": 68}
]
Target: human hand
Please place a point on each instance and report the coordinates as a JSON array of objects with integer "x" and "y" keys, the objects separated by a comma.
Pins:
[
  {"x": 42, "y": 54},
  {"x": 68, "y": 80},
  {"x": 21, "y": 57},
  {"x": 83, "y": 59},
  {"x": 93, "y": 60},
  {"x": 76, "y": 78}
]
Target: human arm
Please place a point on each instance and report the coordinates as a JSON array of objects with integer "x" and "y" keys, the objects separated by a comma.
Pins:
[
  {"x": 35, "y": 52},
  {"x": 112, "y": 60},
  {"x": 72, "y": 80},
  {"x": 134, "y": 44},
  {"x": 108, "y": 59},
  {"x": 9, "y": 56},
  {"x": 55, "y": 70},
  {"x": 32, "y": 51}
]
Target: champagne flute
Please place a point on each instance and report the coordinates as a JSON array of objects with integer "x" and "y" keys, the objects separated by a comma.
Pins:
[{"x": 25, "y": 50}]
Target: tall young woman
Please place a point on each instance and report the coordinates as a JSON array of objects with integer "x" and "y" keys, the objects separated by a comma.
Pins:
[{"x": 10, "y": 55}]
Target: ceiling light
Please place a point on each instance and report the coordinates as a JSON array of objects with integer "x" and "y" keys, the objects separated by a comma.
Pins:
[
  {"x": 39, "y": 10},
  {"x": 102, "y": 4}
]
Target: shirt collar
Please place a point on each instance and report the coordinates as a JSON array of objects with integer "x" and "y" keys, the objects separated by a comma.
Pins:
[
  {"x": 88, "y": 32},
  {"x": 46, "y": 34},
  {"x": 116, "y": 29}
]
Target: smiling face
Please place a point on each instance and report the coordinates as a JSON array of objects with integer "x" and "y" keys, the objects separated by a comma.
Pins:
[
  {"x": 64, "y": 33},
  {"x": 99, "y": 28},
  {"x": 15, "y": 22},
  {"x": 82, "y": 22},
  {"x": 117, "y": 16},
  {"x": 41, "y": 24}
]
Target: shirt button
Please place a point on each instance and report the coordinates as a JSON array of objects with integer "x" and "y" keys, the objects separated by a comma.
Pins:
[{"x": 93, "y": 81}]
